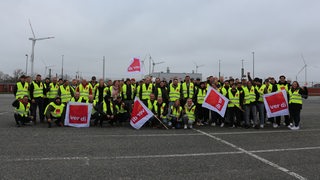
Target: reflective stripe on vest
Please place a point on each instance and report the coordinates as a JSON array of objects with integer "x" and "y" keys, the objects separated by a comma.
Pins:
[
  {"x": 282, "y": 87},
  {"x": 84, "y": 91},
  {"x": 21, "y": 91},
  {"x": 146, "y": 91},
  {"x": 261, "y": 92},
  {"x": 295, "y": 97},
  {"x": 105, "y": 107},
  {"x": 163, "y": 105},
  {"x": 176, "y": 113},
  {"x": 94, "y": 103},
  {"x": 37, "y": 91}
]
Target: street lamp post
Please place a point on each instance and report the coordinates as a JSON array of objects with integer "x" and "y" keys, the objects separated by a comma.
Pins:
[
  {"x": 253, "y": 65},
  {"x": 27, "y": 64}
]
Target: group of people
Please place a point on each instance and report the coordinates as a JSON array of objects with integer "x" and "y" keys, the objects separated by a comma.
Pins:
[{"x": 177, "y": 104}]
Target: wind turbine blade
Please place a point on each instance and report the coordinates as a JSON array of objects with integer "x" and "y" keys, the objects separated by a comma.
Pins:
[
  {"x": 32, "y": 29},
  {"x": 304, "y": 61}
]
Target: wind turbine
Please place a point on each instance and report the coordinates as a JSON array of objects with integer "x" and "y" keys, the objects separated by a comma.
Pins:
[
  {"x": 197, "y": 66},
  {"x": 155, "y": 63},
  {"x": 34, "y": 39},
  {"x": 304, "y": 67},
  {"x": 46, "y": 67}
]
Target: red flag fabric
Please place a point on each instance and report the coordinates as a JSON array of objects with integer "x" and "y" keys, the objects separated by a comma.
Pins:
[
  {"x": 140, "y": 114},
  {"x": 276, "y": 104},
  {"x": 135, "y": 66},
  {"x": 215, "y": 101},
  {"x": 78, "y": 114}
]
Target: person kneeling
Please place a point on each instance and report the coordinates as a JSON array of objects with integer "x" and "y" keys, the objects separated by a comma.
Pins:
[
  {"x": 55, "y": 110},
  {"x": 22, "y": 111},
  {"x": 176, "y": 115}
]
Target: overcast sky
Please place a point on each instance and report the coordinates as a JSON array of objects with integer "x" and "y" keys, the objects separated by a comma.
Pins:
[{"x": 182, "y": 33}]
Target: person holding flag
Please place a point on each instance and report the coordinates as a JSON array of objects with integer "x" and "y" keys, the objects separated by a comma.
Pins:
[
  {"x": 234, "y": 106},
  {"x": 202, "y": 113},
  {"x": 296, "y": 93}
]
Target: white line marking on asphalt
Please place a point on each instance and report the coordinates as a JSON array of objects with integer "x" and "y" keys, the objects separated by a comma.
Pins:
[
  {"x": 1, "y": 113},
  {"x": 264, "y": 132},
  {"x": 87, "y": 159},
  {"x": 291, "y": 173}
]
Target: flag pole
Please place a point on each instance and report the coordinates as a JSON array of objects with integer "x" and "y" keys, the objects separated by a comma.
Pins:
[
  {"x": 236, "y": 105},
  {"x": 160, "y": 121}
]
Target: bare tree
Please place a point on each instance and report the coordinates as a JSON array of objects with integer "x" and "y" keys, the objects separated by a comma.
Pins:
[{"x": 17, "y": 73}]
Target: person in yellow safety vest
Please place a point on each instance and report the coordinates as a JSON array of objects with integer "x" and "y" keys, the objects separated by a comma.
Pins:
[
  {"x": 22, "y": 111},
  {"x": 101, "y": 91},
  {"x": 224, "y": 91},
  {"x": 175, "y": 116},
  {"x": 251, "y": 96},
  {"x": 174, "y": 92},
  {"x": 202, "y": 114},
  {"x": 46, "y": 85},
  {"x": 162, "y": 91},
  {"x": 128, "y": 93},
  {"x": 161, "y": 111},
  {"x": 145, "y": 89},
  {"x": 37, "y": 93},
  {"x": 262, "y": 89},
  {"x": 187, "y": 90},
  {"x": 115, "y": 89},
  {"x": 95, "y": 115},
  {"x": 84, "y": 89},
  {"x": 77, "y": 98},
  {"x": 55, "y": 110},
  {"x": 151, "y": 102},
  {"x": 74, "y": 85},
  {"x": 65, "y": 92},
  {"x": 296, "y": 93},
  {"x": 21, "y": 88},
  {"x": 282, "y": 85},
  {"x": 52, "y": 90},
  {"x": 122, "y": 115},
  {"x": 235, "y": 102},
  {"x": 93, "y": 84},
  {"x": 190, "y": 114},
  {"x": 108, "y": 111}
]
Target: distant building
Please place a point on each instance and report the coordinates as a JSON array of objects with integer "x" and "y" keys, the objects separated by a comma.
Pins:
[{"x": 169, "y": 76}]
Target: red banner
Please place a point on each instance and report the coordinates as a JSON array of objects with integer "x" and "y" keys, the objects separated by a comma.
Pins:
[{"x": 276, "y": 104}]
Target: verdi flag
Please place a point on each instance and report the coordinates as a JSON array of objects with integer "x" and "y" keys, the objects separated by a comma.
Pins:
[
  {"x": 78, "y": 114},
  {"x": 140, "y": 114},
  {"x": 135, "y": 66},
  {"x": 276, "y": 104},
  {"x": 215, "y": 101}
]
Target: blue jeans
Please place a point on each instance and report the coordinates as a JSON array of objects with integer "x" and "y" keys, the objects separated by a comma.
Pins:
[
  {"x": 260, "y": 108},
  {"x": 250, "y": 108}
]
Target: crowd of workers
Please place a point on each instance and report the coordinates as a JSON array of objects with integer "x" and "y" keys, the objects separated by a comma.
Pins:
[{"x": 175, "y": 104}]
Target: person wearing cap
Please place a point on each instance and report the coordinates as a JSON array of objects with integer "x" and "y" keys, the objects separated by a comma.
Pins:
[
  {"x": 22, "y": 111},
  {"x": 37, "y": 93},
  {"x": 55, "y": 111},
  {"x": 65, "y": 92},
  {"x": 21, "y": 88},
  {"x": 93, "y": 84}
]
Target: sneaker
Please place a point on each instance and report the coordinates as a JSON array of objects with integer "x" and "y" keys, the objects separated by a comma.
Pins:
[
  {"x": 213, "y": 124},
  {"x": 185, "y": 126},
  {"x": 261, "y": 126},
  {"x": 222, "y": 125},
  {"x": 190, "y": 126},
  {"x": 275, "y": 125},
  {"x": 169, "y": 123},
  {"x": 295, "y": 128}
]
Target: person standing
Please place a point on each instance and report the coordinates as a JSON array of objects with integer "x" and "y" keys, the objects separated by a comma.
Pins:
[
  {"x": 21, "y": 88},
  {"x": 53, "y": 88},
  {"x": 37, "y": 92},
  {"x": 234, "y": 105},
  {"x": 251, "y": 96},
  {"x": 187, "y": 90},
  {"x": 65, "y": 92},
  {"x": 295, "y": 103},
  {"x": 202, "y": 113},
  {"x": 84, "y": 89}
]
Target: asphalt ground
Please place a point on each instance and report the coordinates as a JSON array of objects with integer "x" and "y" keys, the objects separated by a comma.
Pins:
[{"x": 37, "y": 152}]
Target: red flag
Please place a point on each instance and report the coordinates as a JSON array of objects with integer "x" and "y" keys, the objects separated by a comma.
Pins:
[
  {"x": 276, "y": 104},
  {"x": 215, "y": 101},
  {"x": 140, "y": 114},
  {"x": 135, "y": 66}
]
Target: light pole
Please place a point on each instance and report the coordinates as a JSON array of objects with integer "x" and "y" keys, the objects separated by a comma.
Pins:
[
  {"x": 242, "y": 69},
  {"x": 27, "y": 64},
  {"x": 253, "y": 65},
  {"x": 62, "y": 66},
  {"x": 219, "y": 68},
  {"x": 103, "y": 68}
]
